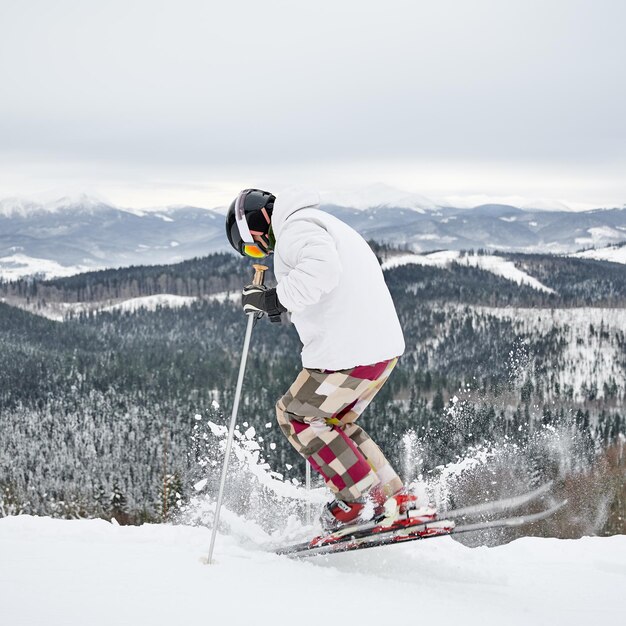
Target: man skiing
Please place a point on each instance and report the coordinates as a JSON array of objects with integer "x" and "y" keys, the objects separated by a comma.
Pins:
[{"x": 331, "y": 283}]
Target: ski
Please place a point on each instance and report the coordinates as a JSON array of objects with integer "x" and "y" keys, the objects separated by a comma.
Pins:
[
  {"x": 483, "y": 508},
  {"x": 427, "y": 530},
  {"x": 497, "y": 506}
]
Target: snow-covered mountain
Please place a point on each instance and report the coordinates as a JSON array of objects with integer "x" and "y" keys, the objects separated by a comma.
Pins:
[
  {"x": 85, "y": 233},
  {"x": 25, "y": 207},
  {"x": 499, "y": 227},
  {"x": 77, "y": 233},
  {"x": 378, "y": 196}
]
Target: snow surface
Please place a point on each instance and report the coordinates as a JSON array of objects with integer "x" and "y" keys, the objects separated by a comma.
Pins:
[
  {"x": 71, "y": 573},
  {"x": 600, "y": 235},
  {"x": 615, "y": 254},
  {"x": 60, "y": 311},
  {"x": 16, "y": 266},
  {"x": 490, "y": 263},
  {"x": 151, "y": 303}
]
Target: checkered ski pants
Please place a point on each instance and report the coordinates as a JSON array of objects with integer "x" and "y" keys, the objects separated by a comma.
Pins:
[{"x": 317, "y": 415}]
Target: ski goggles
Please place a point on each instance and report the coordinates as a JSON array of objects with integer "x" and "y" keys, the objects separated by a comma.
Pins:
[
  {"x": 248, "y": 246},
  {"x": 252, "y": 250}
]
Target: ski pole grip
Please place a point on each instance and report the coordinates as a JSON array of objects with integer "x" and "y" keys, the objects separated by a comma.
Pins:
[{"x": 259, "y": 274}]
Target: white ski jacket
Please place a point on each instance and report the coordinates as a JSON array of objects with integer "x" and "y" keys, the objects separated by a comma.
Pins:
[{"x": 332, "y": 284}]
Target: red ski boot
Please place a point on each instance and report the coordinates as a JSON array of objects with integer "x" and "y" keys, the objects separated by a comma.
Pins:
[{"x": 339, "y": 513}]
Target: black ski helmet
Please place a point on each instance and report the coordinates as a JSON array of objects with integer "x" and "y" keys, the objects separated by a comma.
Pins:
[{"x": 248, "y": 222}]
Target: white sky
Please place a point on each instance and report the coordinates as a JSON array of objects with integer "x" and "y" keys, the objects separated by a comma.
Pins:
[{"x": 154, "y": 102}]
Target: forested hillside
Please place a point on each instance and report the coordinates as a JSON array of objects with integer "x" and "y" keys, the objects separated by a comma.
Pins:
[
  {"x": 197, "y": 277},
  {"x": 577, "y": 282},
  {"x": 98, "y": 412}
]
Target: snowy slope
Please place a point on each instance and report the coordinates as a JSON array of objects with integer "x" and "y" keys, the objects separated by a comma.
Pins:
[
  {"x": 151, "y": 303},
  {"x": 60, "y": 311},
  {"x": 71, "y": 573},
  {"x": 495, "y": 264},
  {"x": 615, "y": 254},
  {"x": 16, "y": 266},
  {"x": 600, "y": 235}
]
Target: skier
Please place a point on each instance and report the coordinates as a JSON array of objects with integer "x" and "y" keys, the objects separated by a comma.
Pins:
[{"x": 331, "y": 283}]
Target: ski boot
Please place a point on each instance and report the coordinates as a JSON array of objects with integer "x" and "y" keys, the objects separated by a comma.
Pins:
[
  {"x": 338, "y": 513},
  {"x": 406, "y": 509},
  {"x": 373, "y": 507}
]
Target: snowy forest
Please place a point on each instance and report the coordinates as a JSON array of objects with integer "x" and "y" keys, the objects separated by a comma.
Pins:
[{"x": 101, "y": 403}]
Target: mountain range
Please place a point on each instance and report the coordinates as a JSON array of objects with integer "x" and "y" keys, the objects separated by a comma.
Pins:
[{"x": 84, "y": 233}]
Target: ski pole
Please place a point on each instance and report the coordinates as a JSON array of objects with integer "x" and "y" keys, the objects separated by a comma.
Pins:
[
  {"x": 259, "y": 277},
  {"x": 307, "y": 482}
]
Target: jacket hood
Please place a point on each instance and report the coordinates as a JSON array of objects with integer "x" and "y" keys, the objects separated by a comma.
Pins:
[{"x": 288, "y": 202}]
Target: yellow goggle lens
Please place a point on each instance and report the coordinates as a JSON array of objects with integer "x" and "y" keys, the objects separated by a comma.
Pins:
[{"x": 252, "y": 250}]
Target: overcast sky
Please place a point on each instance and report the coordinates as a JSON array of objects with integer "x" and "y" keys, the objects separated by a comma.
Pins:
[{"x": 153, "y": 102}]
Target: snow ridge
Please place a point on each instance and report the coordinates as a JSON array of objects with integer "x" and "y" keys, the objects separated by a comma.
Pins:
[
  {"x": 19, "y": 265},
  {"x": 151, "y": 303},
  {"x": 491, "y": 263},
  {"x": 614, "y": 254}
]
